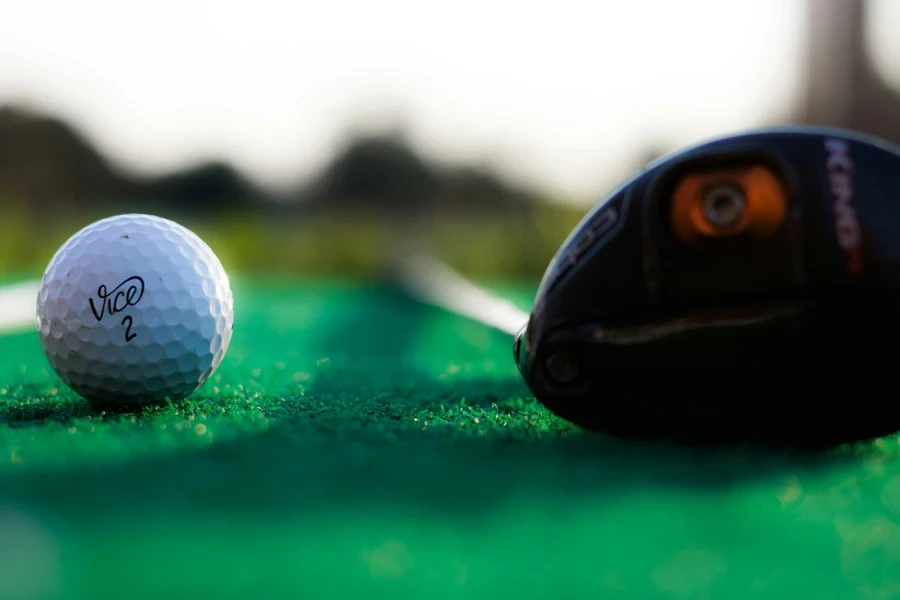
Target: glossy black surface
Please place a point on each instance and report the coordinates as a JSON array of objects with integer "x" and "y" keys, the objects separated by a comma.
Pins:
[{"x": 782, "y": 342}]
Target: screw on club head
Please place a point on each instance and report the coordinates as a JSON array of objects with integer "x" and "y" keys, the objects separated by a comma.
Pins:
[
  {"x": 724, "y": 205},
  {"x": 562, "y": 367}
]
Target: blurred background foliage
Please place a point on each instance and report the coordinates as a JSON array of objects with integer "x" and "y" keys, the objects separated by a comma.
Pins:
[
  {"x": 376, "y": 197},
  {"x": 348, "y": 221}
]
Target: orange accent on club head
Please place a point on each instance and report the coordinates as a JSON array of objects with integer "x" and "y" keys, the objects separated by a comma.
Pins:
[{"x": 764, "y": 210}]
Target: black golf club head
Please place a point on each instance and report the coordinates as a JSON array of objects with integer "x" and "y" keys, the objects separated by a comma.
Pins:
[{"x": 742, "y": 290}]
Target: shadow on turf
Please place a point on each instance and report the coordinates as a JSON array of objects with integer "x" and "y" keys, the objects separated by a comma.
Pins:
[
  {"x": 62, "y": 409},
  {"x": 303, "y": 467},
  {"x": 378, "y": 457},
  {"x": 68, "y": 407},
  {"x": 367, "y": 344}
]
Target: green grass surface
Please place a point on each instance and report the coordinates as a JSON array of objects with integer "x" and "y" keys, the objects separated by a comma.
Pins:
[
  {"x": 352, "y": 243},
  {"x": 358, "y": 444}
]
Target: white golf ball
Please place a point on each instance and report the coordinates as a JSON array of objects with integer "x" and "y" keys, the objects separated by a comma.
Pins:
[{"x": 135, "y": 309}]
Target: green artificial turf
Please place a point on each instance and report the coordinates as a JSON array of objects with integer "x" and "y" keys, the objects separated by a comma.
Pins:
[{"x": 356, "y": 443}]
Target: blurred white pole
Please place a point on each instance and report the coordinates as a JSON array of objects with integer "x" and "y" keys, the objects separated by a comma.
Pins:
[
  {"x": 433, "y": 282},
  {"x": 17, "y": 305}
]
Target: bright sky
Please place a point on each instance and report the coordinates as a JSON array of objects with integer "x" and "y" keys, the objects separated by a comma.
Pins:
[{"x": 563, "y": 93}]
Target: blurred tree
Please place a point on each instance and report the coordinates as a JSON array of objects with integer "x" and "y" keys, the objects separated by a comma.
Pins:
[
  {"x": 48, "y": 168},
  {"x": 380, "y": 172},
  {"x": 201, "y": 189},
  {"x": 51, "y": 169},
  {"x": 47, "y": 164},
  {"x": 477, "y": 188},
  {"x": 844, "y": 88},
  {"x": 385, "y": 174}
]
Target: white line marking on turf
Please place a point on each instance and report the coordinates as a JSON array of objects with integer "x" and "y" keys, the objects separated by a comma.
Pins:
[
  {"x": 433, "y": 282},
  {"x": 17, "y": 305}
]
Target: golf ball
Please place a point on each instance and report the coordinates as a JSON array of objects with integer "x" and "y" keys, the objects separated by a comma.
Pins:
[{"x": 135, "y": 309}]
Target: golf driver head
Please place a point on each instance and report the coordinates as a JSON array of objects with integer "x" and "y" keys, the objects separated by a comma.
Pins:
[{"x": 746, "y": 289}]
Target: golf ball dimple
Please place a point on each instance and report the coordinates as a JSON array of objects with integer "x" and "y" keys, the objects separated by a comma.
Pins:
[{"x": 135, "y": 309}]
